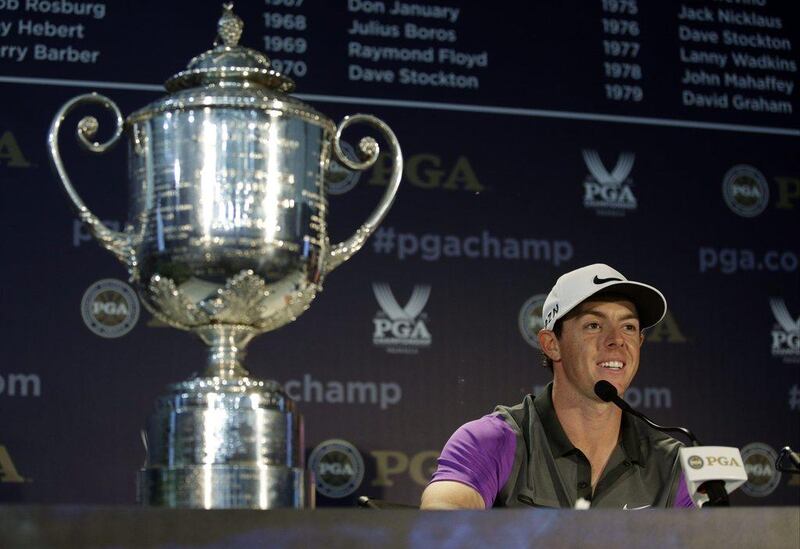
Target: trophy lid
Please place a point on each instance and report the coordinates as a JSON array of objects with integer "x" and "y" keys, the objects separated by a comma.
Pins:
[{"x": 230, "y": 63}]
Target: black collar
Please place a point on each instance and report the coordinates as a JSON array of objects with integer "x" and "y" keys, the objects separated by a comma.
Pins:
[
  {"x": 631, "y": 439},
  {"x": 560, "y": 444}
]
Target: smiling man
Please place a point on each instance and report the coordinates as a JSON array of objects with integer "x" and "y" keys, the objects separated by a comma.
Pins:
[{"x": 566, "y": 444}]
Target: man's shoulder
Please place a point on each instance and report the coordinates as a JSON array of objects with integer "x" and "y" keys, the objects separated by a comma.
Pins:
[
  {"x": 492, "y": 429},
  {"x": 514, "y": 415}
]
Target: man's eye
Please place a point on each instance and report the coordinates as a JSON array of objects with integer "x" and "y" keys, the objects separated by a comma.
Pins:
[
  {"x": 593, "y": 325},
  {"x": 631, "y": 327}
]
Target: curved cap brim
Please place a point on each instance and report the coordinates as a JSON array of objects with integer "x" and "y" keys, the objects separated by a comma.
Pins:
[{"x": 651, "y": 305}]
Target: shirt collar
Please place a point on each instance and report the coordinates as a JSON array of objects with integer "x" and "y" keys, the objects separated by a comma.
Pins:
[
  {"x": 560, "y": 444},
  {"x": 630, "y": 439}
]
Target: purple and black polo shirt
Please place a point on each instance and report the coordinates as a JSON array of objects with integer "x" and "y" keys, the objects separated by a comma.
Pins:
[{"x": 520, "y": 455}]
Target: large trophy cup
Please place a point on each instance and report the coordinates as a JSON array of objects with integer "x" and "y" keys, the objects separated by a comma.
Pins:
[{"x": 227, "y": 237}]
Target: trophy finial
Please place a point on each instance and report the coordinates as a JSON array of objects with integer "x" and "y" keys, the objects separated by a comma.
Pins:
[
  {"x": 229, "y": 61},
  {"x": 229, "y": 27}
]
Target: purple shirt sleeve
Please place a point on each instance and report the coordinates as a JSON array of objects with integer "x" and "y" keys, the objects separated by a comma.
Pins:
[
  {"x": 682, "y": 498},
  {"x": 480, "y": 454}
]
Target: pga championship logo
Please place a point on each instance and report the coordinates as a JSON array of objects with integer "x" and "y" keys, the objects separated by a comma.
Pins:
[
  {"x": 609, "y": 193},
  {"x": 745, "y": 190},
  {"x": 695, "y": 462},
  {"x": 338, "y": 468},
  {"x": 401, "y": 329},
  {"x": 785, "y": 333},
  {"x": 110, "y": 308},
  {"x": 530, "y": 319}
]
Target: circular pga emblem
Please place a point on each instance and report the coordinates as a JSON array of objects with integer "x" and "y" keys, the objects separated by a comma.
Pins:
[
  {"x": 759, "y": 462},
  {"x": 695, "y": 462},
  {"x": 338, "y": 468},
  {"x": 339, "y": 179},
  {"x": 745, "y": 190},
  {"x": 110, "y": 308},
  {"x": 530, "y": 319}
]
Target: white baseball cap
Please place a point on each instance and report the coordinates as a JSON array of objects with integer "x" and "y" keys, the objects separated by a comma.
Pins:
[{"x": 576, "y": 286}]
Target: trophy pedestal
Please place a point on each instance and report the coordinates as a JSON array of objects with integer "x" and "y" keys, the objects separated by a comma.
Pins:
[
  {"x": 217, "y": 443},
  {"x": 226, "y": 487}
]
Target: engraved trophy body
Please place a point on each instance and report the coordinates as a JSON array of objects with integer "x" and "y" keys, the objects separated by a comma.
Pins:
[{"x": 227, "y": 238}]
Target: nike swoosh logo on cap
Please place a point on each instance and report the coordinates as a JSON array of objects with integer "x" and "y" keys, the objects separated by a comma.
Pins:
[
  {"x": 598, "y": 280},
  {"x": 626, "y": 508}
]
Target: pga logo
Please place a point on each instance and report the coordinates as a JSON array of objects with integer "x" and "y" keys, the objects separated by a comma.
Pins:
[
  {"x": 762, "y": 476},
  {"x": 609, "y": 193},
  {"x": 723, "y": 461},
  {"x": 786, "y": 333},
  {"x": 338, "y": 468},
  {"x": 401, "y": 329},
  {"x": 745, "y": 190},
  {"x": 110, "y": 308},
  {"x": 695, "y": 462},
  {"x": 326, "y": 469}
]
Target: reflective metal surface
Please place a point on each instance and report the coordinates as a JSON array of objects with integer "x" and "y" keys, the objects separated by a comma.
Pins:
[
  {"x": 219, "y": 444},
  {"x": 226, "y": 237}
]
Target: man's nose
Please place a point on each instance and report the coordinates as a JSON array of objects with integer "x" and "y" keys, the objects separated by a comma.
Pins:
[{"x": 615, "y": 338}]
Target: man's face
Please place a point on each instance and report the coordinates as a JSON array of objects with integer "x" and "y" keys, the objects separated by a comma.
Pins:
[{"x": 599, "y": 340}]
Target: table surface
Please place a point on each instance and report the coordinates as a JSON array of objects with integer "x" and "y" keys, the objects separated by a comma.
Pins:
[{"x": 119, "y": 527}]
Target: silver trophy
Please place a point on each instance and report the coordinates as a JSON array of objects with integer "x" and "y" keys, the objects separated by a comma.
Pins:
[{"x": 227, "y": 237}]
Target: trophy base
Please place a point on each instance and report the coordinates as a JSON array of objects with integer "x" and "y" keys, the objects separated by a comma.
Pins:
[{"x": 226, "y": 487}]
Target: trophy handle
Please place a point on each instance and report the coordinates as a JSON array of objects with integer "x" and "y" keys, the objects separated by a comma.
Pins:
[
  {"x": 114, "y": 241},
  {"x": 369, "y": 150}
]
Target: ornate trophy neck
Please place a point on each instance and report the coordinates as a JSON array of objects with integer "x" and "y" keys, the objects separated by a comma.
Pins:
[
  {"x": 226, "y": 349},
  {"x": 228, "y": 64}
]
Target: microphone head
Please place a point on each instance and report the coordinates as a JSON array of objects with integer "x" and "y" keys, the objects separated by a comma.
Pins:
[{"x": 605, "y": 390}]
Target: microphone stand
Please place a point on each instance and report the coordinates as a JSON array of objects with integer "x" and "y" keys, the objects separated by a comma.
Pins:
[{"x": 714, "y": 489}]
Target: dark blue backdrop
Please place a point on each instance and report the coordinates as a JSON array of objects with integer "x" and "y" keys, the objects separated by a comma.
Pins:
[{"x": 494, "y": 205}]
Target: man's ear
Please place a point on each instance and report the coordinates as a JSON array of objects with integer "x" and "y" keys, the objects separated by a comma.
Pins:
[{"x": 549, "y": 344}]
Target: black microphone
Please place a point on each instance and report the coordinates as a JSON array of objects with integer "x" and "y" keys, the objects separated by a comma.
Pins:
[
  {"x": 608, "y": 393},
  {"x": 794, "y": 457},
  {"x": 715, "y": 489}
]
